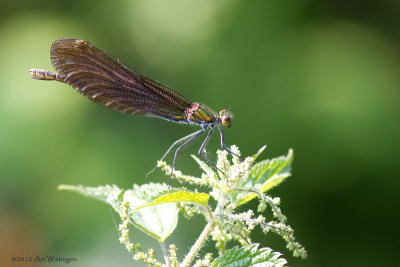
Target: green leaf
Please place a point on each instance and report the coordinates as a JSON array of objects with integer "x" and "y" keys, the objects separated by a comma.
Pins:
[
  {"x": 249, "y": 256},
  {"x": 200, "y": 199},
  {"x": 158, "y": 221},
  {"x": 263, "y": 176},
  {"x": 110, "y": 194},
  {"x": 206, "y": 168},
  {"x": 255, "y": 156}
]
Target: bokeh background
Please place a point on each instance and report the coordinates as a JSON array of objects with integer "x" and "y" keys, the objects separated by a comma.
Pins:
[{"x": 321, "y": 77}]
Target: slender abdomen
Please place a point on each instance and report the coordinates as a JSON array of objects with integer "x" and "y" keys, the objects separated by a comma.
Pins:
[{"x": 46, "y": 75}]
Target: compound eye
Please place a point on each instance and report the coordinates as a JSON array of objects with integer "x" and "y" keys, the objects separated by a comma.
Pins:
[
  {"x": 227, "y": 122},
  {"x": 226, "y": 118}
]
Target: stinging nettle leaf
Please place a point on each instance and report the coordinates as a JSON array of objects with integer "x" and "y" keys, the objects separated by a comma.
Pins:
[
  {"x": 206, "y": 168},
  {"x": 158, "y": 221},
  {"x": 263, "y": 176},
  {"x": 200, "y": 199},
  {"x": 249, "y": 256},
  {"x": 255, "y": 156},
  {"x": 110, "y": 194}
]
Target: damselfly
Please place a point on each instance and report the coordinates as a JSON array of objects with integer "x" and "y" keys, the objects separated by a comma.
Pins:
[{"x": 108, "y": 82}]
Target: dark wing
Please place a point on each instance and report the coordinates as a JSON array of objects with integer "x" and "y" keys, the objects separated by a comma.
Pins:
[{"x": 106, "y": 81}]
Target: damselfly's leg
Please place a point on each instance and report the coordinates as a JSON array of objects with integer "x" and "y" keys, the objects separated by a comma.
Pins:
[
  {"x": 188, "y": 141},
  {"x": 202, "y": 148},
  {"x": 225, "y": 147},
  {"x": 183, "y": 139}
]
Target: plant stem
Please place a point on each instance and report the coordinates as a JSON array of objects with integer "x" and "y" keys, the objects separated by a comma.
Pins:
[
  {"x": 165, "y": 252},
  {"x": 199, "y": 243},
  {"x": 206, "y": 232}
]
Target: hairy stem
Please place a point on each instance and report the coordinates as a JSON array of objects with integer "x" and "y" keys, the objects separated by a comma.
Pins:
[
  {"x": 197, "y": 246},
  {"x": 165, "y": 253}
]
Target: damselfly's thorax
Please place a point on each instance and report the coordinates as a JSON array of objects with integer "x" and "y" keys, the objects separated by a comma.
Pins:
[{"x": 201, "y": 114}]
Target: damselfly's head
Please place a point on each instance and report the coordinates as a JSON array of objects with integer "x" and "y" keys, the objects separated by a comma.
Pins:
[{"x": 226, "y": 118}]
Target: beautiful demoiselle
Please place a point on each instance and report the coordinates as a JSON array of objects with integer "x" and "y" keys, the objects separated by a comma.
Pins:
[{"x": 106, "y": 81}]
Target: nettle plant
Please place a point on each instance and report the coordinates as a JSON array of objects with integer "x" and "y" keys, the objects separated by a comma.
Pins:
[{"x": 154, "y": 209}]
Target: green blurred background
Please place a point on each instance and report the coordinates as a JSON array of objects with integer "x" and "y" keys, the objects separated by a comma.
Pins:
[{"x": 321, "y": 77}]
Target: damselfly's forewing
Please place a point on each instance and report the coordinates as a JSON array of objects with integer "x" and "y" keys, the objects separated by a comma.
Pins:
[{"x": 106, "y": 81}]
